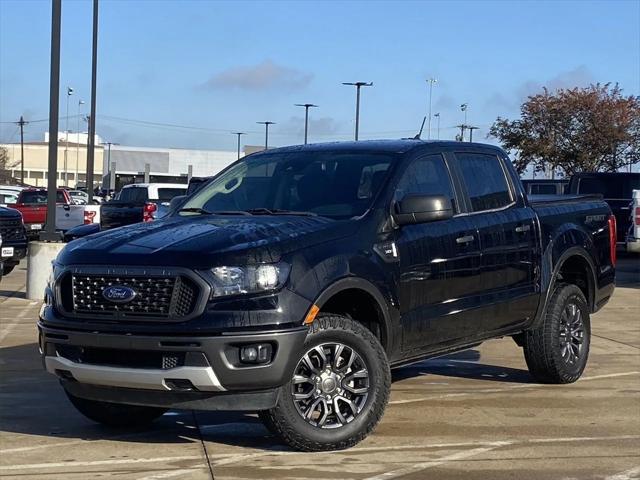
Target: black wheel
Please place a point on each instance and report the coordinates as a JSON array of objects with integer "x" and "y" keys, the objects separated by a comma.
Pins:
[
  {"x": 338, "y": 390},
  {"x": 115, "y": 414},
  {"x": 7, "y": 269},
  {"x": 557, "y": 351}
]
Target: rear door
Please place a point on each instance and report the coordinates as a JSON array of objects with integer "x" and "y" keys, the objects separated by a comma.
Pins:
[
  {"x": 439, "y": 261},
  {"x": 507, "y": 233}
]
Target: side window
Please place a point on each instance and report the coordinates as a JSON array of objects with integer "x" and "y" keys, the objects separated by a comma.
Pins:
[
  {"x": 485, "y": 181},
  {"x": 426, "y": 176}
]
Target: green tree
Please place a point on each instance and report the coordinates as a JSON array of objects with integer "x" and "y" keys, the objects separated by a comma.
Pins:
[{"x": 574, "y": 130}]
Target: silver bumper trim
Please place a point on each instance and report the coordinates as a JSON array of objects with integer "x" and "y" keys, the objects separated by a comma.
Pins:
[{"x": 203, "y": 378}]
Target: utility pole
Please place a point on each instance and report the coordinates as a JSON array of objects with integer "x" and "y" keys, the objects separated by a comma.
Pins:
[
  {"x": 80, "y": 102},
  {"x": 358, "y": 85},
  {"x": 22, "y": 123},
  {"x": 92, "y": 122},
  {"x": 49, "y": 233},
  {"x": 239, "y": 134},
  {"x": 66, "y": 138},
  {"x": 266, "y": 132},
  {"x": 431, "y": 81},
  {"x": 437, "y": 115},
  {"x": 87, "y": 119},
  {"x": 306, "y": 106},
  {"x": 471, "y": 129}
]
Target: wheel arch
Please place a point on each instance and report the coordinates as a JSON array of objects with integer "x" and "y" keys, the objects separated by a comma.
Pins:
[{"x": 342, "y": 297}]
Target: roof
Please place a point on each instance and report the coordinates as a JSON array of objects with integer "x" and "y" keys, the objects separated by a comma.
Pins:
[
  {"x": 157, "y": 185},
  {"x": 389, "y": 146}
]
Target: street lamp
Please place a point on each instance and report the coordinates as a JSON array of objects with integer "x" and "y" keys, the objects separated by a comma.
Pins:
[
  {"x": 306, "y": 117},
  {"x": 266, "y": 132},
  {"x": 66, "y": 141},
  {"x": 358, "y": 85},
  {"x": 80, "y": 102},
  {"x": 239, "y": 134},
  {"x": 431, "y": 81},
  {"x": 437, "y": 115}
]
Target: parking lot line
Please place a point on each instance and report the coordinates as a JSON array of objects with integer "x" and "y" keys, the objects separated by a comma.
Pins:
[
  {"x": 418, "y": 467},
  {"x": 631, "y": 474},
  {"x": 7, "y": 330},
  {"x": 506, "y": 389},
  {"x": 169, "y": 474},
  {"x": 93, "y": 463}
]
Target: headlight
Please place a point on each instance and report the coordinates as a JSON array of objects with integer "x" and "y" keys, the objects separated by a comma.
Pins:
[{"x": 248, "y": 279}]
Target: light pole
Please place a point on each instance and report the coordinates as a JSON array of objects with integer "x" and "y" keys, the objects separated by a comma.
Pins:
[
  {"x": 358, "y": 85},
  {"x": 80, "y": 102},
  {"x": 266, "y": 132},
  {"x": 463, "y": 108},
  {"x": 108, "y": 144},
  {"x": 431, "y": 81},
  {"x": 66, "y": 140},
  {"x": 239, "y": 134},
  {"x": 306, "y": 106},
  {"x": 437, "y": 115}
]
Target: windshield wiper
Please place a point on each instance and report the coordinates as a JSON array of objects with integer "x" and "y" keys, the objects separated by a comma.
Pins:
[
  {"x": 199, "y": 210},
  {"x": 278, "y": 211},
  {"x": 202, "y": 211}
]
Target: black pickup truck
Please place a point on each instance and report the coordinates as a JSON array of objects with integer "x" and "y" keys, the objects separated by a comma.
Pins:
[
  {"x": 14, "y": 239},
  {"x": 292, "y": 283}
]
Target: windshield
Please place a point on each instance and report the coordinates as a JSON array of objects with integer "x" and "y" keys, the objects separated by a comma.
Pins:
[{"x": 335, "y": 185}]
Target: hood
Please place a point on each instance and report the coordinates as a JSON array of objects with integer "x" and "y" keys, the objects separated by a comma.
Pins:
[{"x": 204, "y": 241}]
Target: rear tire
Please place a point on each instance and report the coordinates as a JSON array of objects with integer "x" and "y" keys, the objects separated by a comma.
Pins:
[
  {"x": 338, "y": 391},
  {"x": 7, "y": 269},
  {"x": 557, "y": 350},
  {"x": 116, "y": 414}
]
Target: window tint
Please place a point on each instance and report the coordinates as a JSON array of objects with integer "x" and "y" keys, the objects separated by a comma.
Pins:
[
  {"x": 426, "y": 176},
  {"x": 39, "y": 197},
  {"x": 543, "y": 189},
  {"x": 133, "y": 194},
  {"x": 166, "y": 194},
  {"x": 610, "y": 186},
  {"x": 485, "y": 180}
]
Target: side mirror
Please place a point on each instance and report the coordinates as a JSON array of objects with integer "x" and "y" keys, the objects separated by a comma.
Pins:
[
  {"x": 175, "y": 203},
  {"x": 415, "y": 208}
]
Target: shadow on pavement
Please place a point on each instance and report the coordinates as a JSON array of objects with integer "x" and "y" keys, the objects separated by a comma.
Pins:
[{"x": 33, "y": 403}]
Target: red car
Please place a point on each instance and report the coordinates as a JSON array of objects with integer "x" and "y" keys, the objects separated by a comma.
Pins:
[{"x": 32, "y": 203}]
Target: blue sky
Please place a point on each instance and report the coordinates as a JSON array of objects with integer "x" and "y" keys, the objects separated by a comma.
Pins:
[{"x": 222, "y": 66}]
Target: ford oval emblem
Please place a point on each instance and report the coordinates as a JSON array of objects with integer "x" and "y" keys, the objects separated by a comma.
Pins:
[{"x": 119, "y": 294}]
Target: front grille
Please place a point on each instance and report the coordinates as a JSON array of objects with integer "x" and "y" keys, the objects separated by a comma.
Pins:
[
  {"x": 166, "y": 297},
  {"x": 11, "y": 229}
]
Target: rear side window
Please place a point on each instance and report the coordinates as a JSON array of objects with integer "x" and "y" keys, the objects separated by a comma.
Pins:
[
  {"x": 485, "y": 181},
  {"x": 39, "y": 197},
  {"x": 426, "y": 176}
]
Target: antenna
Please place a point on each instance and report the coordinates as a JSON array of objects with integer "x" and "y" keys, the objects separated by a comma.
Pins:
[{"x": 417, "y": 137}]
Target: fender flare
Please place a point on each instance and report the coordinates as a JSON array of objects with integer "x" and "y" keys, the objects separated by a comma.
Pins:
[
  {"x": 547, "y": 290},
  {"x": 359, "y": 283}
]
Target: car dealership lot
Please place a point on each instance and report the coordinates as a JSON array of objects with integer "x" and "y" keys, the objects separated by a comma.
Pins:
[{"x": 475, "y": 414}]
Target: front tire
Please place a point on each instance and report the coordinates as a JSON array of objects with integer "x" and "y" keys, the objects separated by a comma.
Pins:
[
  {"x": 557, "y": 350},
  {"x": 7, "y": 269},
  {"x": 115, "y": 414},
  {"x": 338, "y": 391}
]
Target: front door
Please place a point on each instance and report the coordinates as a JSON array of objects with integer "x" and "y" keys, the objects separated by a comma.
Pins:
[{"x": 439, "y": 262}]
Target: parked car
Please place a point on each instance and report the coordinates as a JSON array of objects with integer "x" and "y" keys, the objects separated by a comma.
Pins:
[
  {"x": 32, "y": 204},
  {"x": 545, "y": 186},
  {"x": 139, "y": 202},
  {"x": 79, "y": 197},
  {"x": 7, "y": 198},
  {"x": 633, "y": 234},
  {"x": 14, "y": 237},
  {"x": 615, "y": 188},
  {"x": 298, "y": 277}
]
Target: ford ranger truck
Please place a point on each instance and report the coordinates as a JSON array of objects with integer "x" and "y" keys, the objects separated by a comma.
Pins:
[{"x": 297, "y": 278}]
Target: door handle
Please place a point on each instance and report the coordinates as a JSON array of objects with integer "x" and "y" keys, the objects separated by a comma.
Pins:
[
  {"x": 523, "y": 228},
  {"x": 465, "y": 239}
]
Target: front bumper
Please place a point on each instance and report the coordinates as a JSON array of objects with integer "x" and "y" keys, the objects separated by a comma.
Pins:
[{"x": 170, "y": 371}]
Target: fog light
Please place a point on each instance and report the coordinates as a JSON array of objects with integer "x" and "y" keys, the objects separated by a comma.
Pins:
[{"x": 257, "y": 353}]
